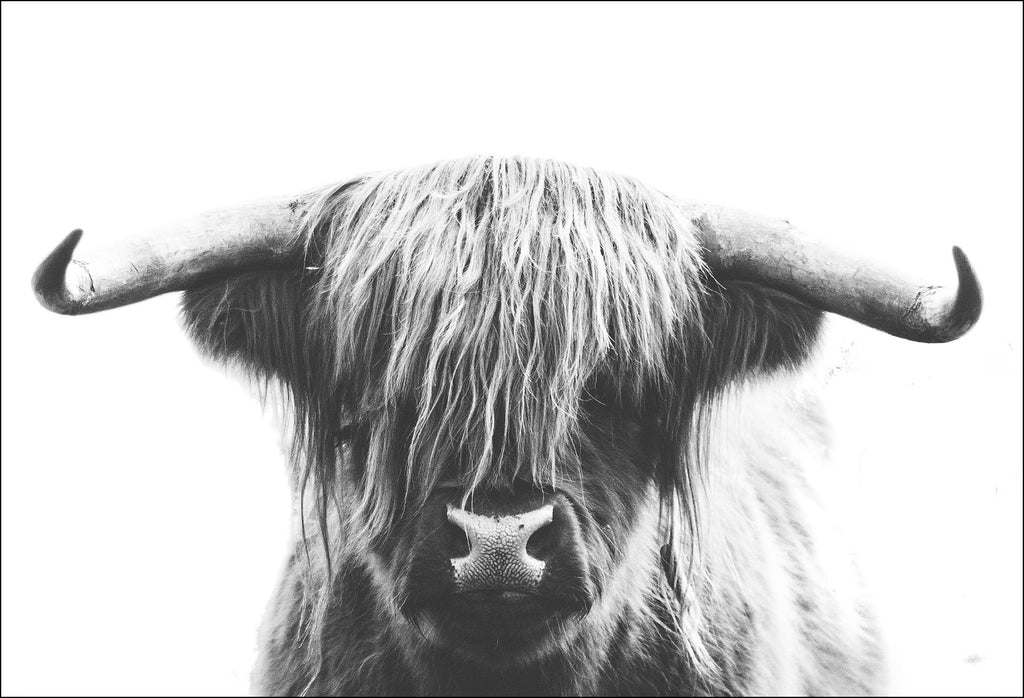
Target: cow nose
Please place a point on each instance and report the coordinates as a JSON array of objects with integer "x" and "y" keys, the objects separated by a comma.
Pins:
[{"x": 498, "y": 559}]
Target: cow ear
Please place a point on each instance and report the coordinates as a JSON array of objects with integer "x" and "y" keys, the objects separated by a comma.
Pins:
[
  {"x": 750, "y": 329},
  {"x": 252, "y": 320}
]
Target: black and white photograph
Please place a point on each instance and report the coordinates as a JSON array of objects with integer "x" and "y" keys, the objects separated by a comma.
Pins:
[{"x": 512, "y": 348}]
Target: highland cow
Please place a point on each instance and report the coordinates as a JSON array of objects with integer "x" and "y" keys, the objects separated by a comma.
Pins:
[{"x": 544, "y": 441}]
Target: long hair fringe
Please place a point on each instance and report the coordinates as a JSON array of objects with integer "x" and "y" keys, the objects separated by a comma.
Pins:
[{"x": 451, "y": 317}]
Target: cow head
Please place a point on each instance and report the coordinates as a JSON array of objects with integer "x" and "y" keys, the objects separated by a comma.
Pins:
[{"x": 497, "y": 369}]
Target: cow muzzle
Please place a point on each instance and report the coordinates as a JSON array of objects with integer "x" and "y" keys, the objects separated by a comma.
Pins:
[
  {"x": 498, "y": 571},
  {"x": 498, "y": 559}
]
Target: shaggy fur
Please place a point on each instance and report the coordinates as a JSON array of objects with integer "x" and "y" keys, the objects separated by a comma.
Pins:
[{"x": 490, "y": 320}]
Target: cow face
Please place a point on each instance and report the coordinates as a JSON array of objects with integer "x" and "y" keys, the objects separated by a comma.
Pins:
[{"x": 497, "y": 389}]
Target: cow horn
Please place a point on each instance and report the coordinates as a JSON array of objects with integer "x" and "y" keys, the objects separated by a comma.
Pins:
[
  {"x": 772, "y": 252},
  {"x": 255, "y": 237},
  {"x": 265, "y": 236}
]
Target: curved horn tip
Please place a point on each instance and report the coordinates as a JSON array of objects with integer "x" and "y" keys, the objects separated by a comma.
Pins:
[
  {"x": 965, "y": 273},
  {"x": 967, "y": 305},
  {"x": 48, "y": 281}
]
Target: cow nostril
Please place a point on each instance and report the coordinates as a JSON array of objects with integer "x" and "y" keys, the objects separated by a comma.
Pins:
[
  {"x": 456, "y": 540},
  {"x": 543, "y": 543},
  {"x": 497, "y": 558}
]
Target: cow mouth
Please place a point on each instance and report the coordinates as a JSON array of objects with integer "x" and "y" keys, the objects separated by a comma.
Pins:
[
  {"x": 505, "y": 624},
  {"x": 508, "y": 609}
]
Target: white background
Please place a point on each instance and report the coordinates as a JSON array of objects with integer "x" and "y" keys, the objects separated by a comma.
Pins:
[{"x": 145, "y": 504}]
